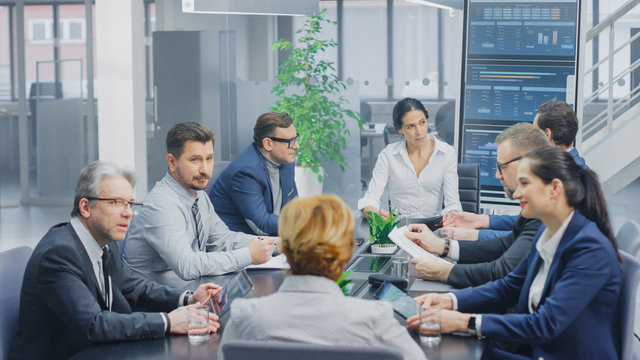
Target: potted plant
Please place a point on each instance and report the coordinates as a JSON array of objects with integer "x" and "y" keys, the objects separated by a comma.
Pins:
[
  {"x": 344, "y": 283},
  {"x": 310, "y": 91},
  {"x": 379, "y": 230}
]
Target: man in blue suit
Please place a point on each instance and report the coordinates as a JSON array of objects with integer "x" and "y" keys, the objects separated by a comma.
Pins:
[{"x": 250, "y": 192}]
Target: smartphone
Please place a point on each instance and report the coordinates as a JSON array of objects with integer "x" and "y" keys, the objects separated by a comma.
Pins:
[
  {"x": 402, "y": 303},
  {"x": 239, "y": 286}
]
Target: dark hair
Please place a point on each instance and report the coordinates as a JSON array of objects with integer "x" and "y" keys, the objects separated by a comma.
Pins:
[
  {"x": 180, "y": 133},
  {"x": 267, "y": 123},
  {"x": 404, "y": 106},
  {"x": 582, "y": 187},
  {"x": 559, "y": 117}
]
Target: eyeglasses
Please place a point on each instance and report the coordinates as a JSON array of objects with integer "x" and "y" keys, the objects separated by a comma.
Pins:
[
  {"x": 120, "y": 203},
  {"x": 501, "y": 165},
  {"x": 291, "y": 142}
]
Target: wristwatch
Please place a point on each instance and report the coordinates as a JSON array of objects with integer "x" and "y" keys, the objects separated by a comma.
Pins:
[
  {"x": 445, "y": 251},
  {"x": 471, "y": 325}
]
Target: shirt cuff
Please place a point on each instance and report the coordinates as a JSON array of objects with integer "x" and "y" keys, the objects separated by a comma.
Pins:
[
  {"x": 164, "y": 319},
  {"x": 243, "y": 257},
  {"x": 478, "y": 325},
  {"x": 454, "y": 250},
  {"x": 454, "y": 299},
  {"x": 183, "y": 298}
]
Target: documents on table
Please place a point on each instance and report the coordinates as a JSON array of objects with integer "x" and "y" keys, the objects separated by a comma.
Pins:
[
  {"x": 415, "y": 251},
  {"x": 276, "y": 262}
]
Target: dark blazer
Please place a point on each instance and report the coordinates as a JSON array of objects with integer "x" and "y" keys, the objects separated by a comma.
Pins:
[
  {"x": 576, "y": 315},
  {"x": 243, "y": 191},
  {"x": 61, "y": 305},
  {"x": 487, "y": 260}
]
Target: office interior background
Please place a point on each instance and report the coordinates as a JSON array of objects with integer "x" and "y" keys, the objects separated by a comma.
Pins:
[{"x": 105, "y": 79}]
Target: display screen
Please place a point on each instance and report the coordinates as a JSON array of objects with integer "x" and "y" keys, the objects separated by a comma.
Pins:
[
  {"x": 517, "y": 56},
  {"x": 402, "y": 303}
]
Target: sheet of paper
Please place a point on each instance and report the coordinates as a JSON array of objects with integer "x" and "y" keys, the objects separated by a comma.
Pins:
[
  {"x": 415, "y": 251},
  {"x": 277, "y": 262}
]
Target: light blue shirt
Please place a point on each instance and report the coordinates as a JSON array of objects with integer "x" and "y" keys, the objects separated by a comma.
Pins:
[{"x": 162, "y": 244}]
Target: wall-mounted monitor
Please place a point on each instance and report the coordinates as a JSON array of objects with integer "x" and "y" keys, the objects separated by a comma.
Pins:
[{"x": 516, "y": 56}]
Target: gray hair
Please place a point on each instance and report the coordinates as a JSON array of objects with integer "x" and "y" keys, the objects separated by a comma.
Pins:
[
  {"x": 524, "y": 137},
  {"x": 89, "y": 181}
]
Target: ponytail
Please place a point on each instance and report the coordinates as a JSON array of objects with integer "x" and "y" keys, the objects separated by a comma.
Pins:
[
  {"x": 582, "y": 187},
  {"x": 594, "y": 206}
]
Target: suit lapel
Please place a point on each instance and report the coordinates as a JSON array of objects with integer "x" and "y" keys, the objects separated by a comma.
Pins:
[{"x": 87, "y": 268}]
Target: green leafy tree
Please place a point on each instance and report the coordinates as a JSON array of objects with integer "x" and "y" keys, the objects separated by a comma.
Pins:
[{"x": 310, "y": 92}]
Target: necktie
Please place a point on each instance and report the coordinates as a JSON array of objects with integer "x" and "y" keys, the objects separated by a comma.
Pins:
[
  {"x": 199, "y": 224},
  {"x": 106, "y": 270}
]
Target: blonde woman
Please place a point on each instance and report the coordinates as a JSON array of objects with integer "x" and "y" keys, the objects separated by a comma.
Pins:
[{"x": 309, "y": 307}]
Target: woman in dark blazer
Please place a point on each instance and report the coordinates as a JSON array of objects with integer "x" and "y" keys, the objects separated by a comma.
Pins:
[{"x": 566, "y": 290}]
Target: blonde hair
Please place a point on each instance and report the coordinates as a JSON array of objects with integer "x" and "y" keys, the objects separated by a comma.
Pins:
[{"x": 317, "y": 235}]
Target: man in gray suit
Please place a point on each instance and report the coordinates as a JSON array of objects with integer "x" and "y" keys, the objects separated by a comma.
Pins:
[
  {"x": 479, "y": 262},
  {"x": 75, "y": 290}
]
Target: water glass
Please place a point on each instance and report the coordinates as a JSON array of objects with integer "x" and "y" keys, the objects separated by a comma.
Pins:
[
  {"x": 430, "y": 333},
  {"x": 400, "y": 267},
  {"x": 198, "y": 324}
]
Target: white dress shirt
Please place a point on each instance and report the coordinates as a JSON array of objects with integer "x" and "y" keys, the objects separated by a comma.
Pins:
[
  {"x": 415, "y": 195},
  {"x": 546, "y": 246},
  {"x": 93, "y": 250}
]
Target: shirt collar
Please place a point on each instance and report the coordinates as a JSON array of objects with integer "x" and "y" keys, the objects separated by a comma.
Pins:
[
  {"x": 183, "y": 193},
  {"x": 309, "y": 283},
  {"x": 270, "y": 163},
  {"x": 548, "y": 243},
  {"x": 90, "y": 244}
]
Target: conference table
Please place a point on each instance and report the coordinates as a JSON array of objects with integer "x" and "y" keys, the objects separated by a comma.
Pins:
[{"x": 266, "y": 282}]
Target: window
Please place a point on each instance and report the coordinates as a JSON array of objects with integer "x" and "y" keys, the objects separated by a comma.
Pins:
[{"x": 40, "y": 30}]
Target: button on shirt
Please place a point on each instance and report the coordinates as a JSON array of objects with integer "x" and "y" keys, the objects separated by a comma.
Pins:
[
  {"x": 415, "y": 195},
  {"x": 162, "y": 243}
]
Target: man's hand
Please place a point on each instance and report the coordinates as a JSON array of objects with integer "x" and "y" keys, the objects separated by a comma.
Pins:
[
  {"x": 261, "y": 250},
  {"x": 382, "y": 212},
  {"x": 204, "y": 293},
  {"x": 179, "y": 320},
  {"x": 465, "y": 220},
  {"x": 423, "y": 237},
  {"x": 432, "y": 269},
  {"x": 450, "y": 321},
  {"x": 459, "y": 233},
  {"x": 440, "y": 300}
]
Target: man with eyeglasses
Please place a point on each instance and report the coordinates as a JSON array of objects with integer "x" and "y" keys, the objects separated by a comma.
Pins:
[
  {"x": 76, "y": 290},
  {"x": 479, "y": 262},
  {"x": 177, "y": 236},
  {"x": 251, "y": 191},
  {"x": 560, "y": 125}
]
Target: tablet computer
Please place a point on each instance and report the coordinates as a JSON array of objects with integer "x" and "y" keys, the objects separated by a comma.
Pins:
[
  {"x": 239, "y": 286},
  {"x": 402, "y": 303}
]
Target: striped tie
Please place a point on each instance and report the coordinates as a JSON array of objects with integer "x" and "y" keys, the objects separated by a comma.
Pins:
[{"x": 199, "y": 225}]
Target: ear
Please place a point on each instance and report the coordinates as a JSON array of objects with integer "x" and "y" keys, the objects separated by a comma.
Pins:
[
  {"x": 171, "y": 161},
  {"x": 557, "y": 187},
  {"x": 549, "y": 134},
  {"x": 267, "y": 144},
  {"x": 83, "y": 206}
]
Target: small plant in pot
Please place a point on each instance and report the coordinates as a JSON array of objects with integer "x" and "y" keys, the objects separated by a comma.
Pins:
[{"x": 379, "y": 230}]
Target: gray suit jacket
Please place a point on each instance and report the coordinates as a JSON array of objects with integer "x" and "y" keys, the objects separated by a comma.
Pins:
[
  {"x": 312, "y": 309},
  {"x": 492, "y": 259},
  {"x": 61, "y": 305}
]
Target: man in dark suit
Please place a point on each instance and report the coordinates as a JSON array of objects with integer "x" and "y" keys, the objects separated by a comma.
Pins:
[
  {"x": 479, "y": 262},
  {"x": 75, "y": 290},
  {"x": 250, "y": 192}
]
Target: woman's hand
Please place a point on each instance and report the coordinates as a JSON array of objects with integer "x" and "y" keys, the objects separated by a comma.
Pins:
[{"x": 382, "y": 212}]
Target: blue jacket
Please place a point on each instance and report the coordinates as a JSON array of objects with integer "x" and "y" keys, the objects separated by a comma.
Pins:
[
  {"x": 243, "y": 191},
  {"x": 576, "y": 315}
]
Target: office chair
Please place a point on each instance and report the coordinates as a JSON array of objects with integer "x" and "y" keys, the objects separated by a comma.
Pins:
[
  {"x": 628, "y": 238},
  {"x": 218, "y": 167},
  {"x": 12, "y": 265},
  {"x": 469, "y": 187},
  {"x": 390, "y": 134},
  {"x": 248, "y": 350},
  {"x": 627, "y": 304}
]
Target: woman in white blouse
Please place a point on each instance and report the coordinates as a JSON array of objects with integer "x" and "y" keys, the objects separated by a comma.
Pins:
[{"x": 421, "y": 170}]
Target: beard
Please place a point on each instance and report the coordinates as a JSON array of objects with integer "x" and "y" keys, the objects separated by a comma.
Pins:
[{"x": 508, "y": 191}]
